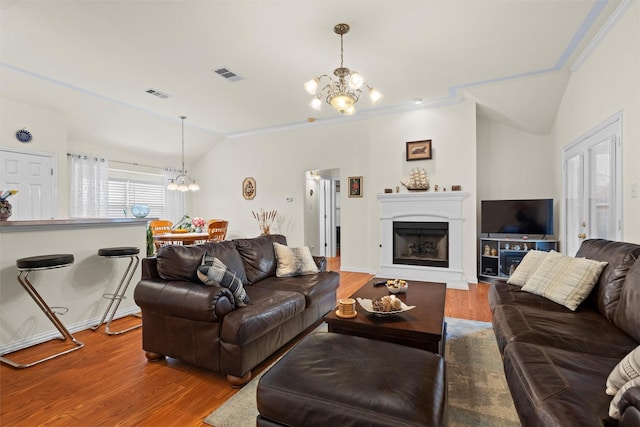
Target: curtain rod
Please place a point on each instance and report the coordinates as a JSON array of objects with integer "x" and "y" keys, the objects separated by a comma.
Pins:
[{"x": 127, "y": 163}]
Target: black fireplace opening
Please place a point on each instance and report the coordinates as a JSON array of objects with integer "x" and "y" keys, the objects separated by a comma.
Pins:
[{"x": 421, "y": 243}]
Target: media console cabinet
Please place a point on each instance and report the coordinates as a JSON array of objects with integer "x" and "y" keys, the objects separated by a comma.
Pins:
[{"x": 500, "y": 256}]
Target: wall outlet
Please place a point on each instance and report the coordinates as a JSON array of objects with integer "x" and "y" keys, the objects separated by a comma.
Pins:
[
  {"x": 634, "y": 190},
  {"x": 288, "y": 199}
]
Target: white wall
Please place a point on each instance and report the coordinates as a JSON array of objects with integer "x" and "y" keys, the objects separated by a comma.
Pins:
[
  {"x": 49, "y": 131},
  {"x": 79, "y": 287},
  {"x": 515, "y": 164},
  {"x": 373, "y": 148},
  {"x": 608, "y": 82}
]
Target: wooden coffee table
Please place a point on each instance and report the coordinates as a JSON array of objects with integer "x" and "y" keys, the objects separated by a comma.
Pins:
[{"x": 422, "y": 327}]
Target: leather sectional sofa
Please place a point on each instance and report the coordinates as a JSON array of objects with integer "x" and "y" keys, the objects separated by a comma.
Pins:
[
  {"x": 184, "y": 319},
  {"x": 557, "y": 361}
]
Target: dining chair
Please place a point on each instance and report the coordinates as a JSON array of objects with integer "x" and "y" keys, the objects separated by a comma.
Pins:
[
  {"x": 217, "y": 230},
  {"x": 158, "y": 227}
]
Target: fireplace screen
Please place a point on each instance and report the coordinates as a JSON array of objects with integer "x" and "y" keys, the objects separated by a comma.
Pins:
[{"x": 421, "y": 243}]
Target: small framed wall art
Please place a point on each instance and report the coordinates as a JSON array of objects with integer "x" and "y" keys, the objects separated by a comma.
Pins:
[
  {"x": 419, "y": 150},
  {"x": 355, "y": 186},
  {"x": 249, "y": 188}
]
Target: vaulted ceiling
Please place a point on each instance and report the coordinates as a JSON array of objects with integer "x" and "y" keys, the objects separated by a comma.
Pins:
[{"x": 95, "y": 60}]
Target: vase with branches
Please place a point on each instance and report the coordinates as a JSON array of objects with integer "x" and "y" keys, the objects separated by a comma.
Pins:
[{"x": 265, "y": 219}]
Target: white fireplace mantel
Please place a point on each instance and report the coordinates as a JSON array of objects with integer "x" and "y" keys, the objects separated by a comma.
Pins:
[{"x": 423, "y": 207}]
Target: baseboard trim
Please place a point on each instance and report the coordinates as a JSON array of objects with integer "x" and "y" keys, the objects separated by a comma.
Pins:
[{"x": 53, "y": 333}]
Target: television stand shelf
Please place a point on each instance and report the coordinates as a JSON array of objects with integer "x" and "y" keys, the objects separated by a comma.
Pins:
[{"x": 500, "y": 256}]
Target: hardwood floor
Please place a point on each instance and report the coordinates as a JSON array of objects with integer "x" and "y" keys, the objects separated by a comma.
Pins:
[{"x": 110, "y": 383}]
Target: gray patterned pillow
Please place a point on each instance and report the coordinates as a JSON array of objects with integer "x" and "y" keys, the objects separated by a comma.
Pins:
[
  {"x": 213, "y": 272},
  {"x": 627, "y": 369},
  {"x": 614, "y": 406},
  {"x": 294, "y": 261}
]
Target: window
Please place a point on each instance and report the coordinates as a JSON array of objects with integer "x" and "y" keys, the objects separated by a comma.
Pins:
[{"x": 125, "y": 192}]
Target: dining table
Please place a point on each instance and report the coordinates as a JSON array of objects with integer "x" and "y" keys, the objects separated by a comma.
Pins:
[{"x": 190, "y": 238}]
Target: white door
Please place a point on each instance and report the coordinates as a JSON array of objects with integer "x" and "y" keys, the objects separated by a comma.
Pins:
[
  {"x": 33, "y": 175},
  {"x": 592, "y": 186},
  {"x": 326, "y": 211}
]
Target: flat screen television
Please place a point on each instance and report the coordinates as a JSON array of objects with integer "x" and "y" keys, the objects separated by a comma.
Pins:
[{"x": 533, "y": 216}]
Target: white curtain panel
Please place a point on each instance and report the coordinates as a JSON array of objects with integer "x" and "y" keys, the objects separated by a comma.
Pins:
[
  {"x": 174, "y": 200},
  {"x": 89, "y": 196}
]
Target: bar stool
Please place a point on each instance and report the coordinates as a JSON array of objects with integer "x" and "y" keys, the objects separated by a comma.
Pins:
[
  {"x": 44, "y": 262},
  {"x": 117, "y": 297}
]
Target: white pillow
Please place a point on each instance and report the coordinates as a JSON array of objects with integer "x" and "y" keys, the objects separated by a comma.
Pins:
[
  {"x": 626, "y": 370},
  {"x": 294, "y": 261},
  {"x": 527, "y": 267},
  {"x": 564, "y": 280},
  {"x": 614, "y": 410}
]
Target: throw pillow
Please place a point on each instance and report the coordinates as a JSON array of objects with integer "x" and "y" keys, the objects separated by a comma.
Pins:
[
  {"x": 614, "y": 406},
  {"x": 529, "y": 264},
  {"x": 625, "y": 371},
  {"x": 213, "y": 272},
  {"x": 294, "y": 261},
  {"x": 564, "y": 280}
]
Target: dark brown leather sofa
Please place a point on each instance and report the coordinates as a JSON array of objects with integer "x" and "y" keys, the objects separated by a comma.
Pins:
[
  {"x": 557, "y": 361},
  {"x": 186, "y": 320}
]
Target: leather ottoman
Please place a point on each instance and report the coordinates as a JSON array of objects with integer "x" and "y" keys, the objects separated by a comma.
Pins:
[{"x": 340, "y": 380}]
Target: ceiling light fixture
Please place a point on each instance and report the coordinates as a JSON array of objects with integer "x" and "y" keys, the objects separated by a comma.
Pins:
[
  {"x": 182, "y": 182},
  {"x": 341, "y": 93}
]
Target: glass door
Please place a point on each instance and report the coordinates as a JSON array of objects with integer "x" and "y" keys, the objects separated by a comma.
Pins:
[{"x": 592, "y": 187}]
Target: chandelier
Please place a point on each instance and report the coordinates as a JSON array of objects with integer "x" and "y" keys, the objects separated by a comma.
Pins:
[
  {"x": 182, "y": 182},
  {"x": 341, "y": 93}
]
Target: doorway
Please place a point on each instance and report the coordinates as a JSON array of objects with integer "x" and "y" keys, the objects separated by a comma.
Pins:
[
  {"x": 592, "y": 185},
  {"x": 33, "y": 174},
  {"x": 322, "y": 212}
]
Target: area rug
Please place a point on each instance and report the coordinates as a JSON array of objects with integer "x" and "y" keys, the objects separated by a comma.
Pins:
[{"x": 478, "y": 392}]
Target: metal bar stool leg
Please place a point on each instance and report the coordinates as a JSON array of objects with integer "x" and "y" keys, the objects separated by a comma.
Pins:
[
  {"x": 47, "y": 310},
  {"x": 116, "y": 298}
]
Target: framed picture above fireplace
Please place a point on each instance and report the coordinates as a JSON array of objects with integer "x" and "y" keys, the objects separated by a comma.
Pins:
[{"x": 419, "y": 150}]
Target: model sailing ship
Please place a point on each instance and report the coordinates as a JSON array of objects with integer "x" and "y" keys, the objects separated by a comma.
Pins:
[{"x": 418, "y": 180}]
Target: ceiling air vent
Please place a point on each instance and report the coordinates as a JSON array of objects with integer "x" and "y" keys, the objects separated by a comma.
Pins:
[
  {"x": 157, "y": 93},
  {"x": 227, "y": 74}
]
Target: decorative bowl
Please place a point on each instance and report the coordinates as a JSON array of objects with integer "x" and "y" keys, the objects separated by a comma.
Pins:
[
  {"x": 139, "y": 211},
  {"x": 367, "y": 304},
  {"x": 397, "y": 286}
]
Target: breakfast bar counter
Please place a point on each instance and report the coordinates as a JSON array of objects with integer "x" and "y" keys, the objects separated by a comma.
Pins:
[{"x": 79, "y": 287}]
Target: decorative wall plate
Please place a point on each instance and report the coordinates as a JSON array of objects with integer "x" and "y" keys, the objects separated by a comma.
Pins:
[
  {"x": 249, "y": 188},
  {"x": 24, "y": 135}
]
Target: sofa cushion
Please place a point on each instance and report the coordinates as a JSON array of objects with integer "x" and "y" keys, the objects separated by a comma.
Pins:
[
  {"x": 213, "y": 272},
  {"x": 582, "y": 331},
  {"x": 620, "y": 256},
  {"x": 177, "y": 262},
  {"x": 268, "y": 309},
  {"x": 258, "y": 255},
  {"x": 627, "y": 315},
  {"x": 557, "y": 387},
  {"x": 625, "y": 371},
  {"x": 565, "y": 280},
  {"x": 529, "y": 264},
  {"x": 502, "y": 293},
  {"x": 292, "y": 262},
  {"x": 314, "y": 286}
]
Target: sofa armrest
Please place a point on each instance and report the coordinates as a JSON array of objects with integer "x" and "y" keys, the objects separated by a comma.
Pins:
[
  {"x": 630, "y": 408},
  {"x": 184, "y": 299},
  {"x": 321, "y": 262},
  {"x": 150, "y": 268}
]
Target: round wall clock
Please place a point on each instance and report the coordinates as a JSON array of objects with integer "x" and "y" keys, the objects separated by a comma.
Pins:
[{"x": 24, "y": 135}]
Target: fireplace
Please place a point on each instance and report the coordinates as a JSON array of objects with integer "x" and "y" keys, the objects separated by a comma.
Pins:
[
  {"x": 421, "y": 237},
  {"x": 421, "y": 243}
]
